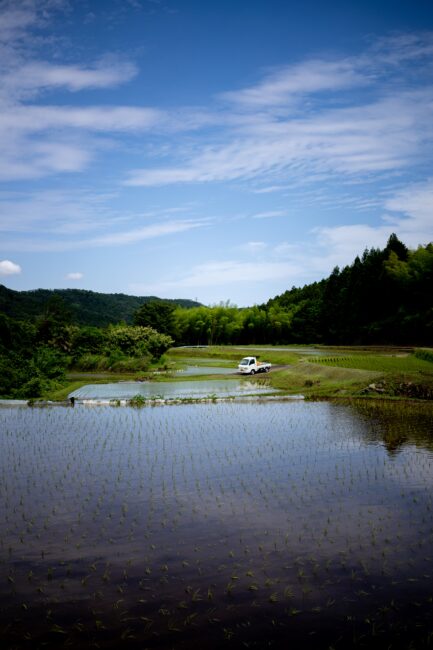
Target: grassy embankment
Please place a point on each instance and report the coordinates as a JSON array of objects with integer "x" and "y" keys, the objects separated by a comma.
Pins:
[
  {"x": 314, "y": 372},
  {"x": 373, "y": 372},
  {"x": 334, "y": 372}
]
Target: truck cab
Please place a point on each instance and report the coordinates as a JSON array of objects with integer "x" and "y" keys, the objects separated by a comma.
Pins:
[{"x": 250, "y": 365}]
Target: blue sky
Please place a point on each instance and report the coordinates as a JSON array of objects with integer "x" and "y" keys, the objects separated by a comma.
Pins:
[{"x": 210, "y": 150}]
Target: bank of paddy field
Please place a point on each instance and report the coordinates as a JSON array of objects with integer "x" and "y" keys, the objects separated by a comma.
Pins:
[{"x": 314, "y": 371}]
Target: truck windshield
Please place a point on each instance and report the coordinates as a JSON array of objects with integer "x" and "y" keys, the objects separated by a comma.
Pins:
[{"x": 244, "y": 362}]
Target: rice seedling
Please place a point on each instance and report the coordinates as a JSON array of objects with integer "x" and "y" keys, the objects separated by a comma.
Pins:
[{"x": 262, "y": 511}]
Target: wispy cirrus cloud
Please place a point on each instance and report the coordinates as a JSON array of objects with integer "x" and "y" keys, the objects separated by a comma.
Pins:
[
  {"x": 26, "y": 80},
  {"x": 299, "y": 262},
  {"x": 221, "y": 273},
  {"x": 31, "y": 119},
  {"x": 348, "y": 119},
  {"x": 147, "y": 232},
  {"x": 415, "y": 203},
  {"x": 383, "y": 136},
  {"x": 37, "y": 139},
  {"x": 60, "y": 220},
  {"x": 398, "y": 49},
  {"x": 18, "y": 17},
  {"x": 56, "y": 212},
  {"x": 286, "y": 84},
  {"x": 114, "y": 238},
  {"x": 254, "y": 247},
  {"x": 269, "y": 214},
  {"x": 41, "y": 158},
  {"x": 342, "y": 116},
  {"x": 355, "y": 116},
  {"x": 408, "y": 213}
]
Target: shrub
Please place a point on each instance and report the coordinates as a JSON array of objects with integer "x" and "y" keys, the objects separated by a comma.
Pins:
[
  {"x": 426, "y": 355},
  {"x": 131, "y": 364},
  {"x": 49, "y": 363},
  {"x": 89, "y": 362},
  {"x": 137, "y": 341}
]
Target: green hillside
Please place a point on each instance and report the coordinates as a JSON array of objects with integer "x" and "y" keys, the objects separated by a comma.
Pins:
[{"x": 85, "y": 307}]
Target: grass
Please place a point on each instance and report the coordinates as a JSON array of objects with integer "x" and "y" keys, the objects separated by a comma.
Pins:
[
  {"x": 393, "y": 372},
  {"x": 345, "y": 371},
  {"x": 235, "y": 353},
  {"x": 378, "y": 363},
  {"x": 402, "y": 375},
  {"x": 321, "y": 381}
]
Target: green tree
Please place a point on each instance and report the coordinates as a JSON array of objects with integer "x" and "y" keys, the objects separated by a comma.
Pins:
[
  {"x": 158, "y": 314},
  {"x": 136, "y": 341}
]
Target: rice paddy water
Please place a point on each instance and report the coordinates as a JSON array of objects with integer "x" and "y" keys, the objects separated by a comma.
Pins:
[
  {"x": 171, "y": 390},
  {"x": 220, "y": 525}
]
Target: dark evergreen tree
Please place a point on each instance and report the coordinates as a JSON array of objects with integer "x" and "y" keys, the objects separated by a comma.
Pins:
[{"x": 158, "y": 314}]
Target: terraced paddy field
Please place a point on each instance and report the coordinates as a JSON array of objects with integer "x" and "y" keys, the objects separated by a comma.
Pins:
[{"x": 227, "y": 525}]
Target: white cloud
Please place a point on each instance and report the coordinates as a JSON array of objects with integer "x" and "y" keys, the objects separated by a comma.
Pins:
[
  {"x": 400, "y": 48},
  {"x": 254, "y": 246},
  {"x": 269, "y": 214},
  {"x": 31, "y": 119},
  {"x": 24, "y": 81},
  {"x": 223, "y": 274},
  {"x": 379, "y": 137},
  {"x": 369, "y": 121},
  {"x": 9, "y": 268},
  {"x": 412, "y": 222},
  {"x": 74, "y": 276},
  {"x": 301, "y": 262},
  {"x": 147, "y": 232},
  {"x": 269, "y": 189},
  {"x": 341, "y": 244},
  {"x": 317, "y": 120},
  {"x": 25, "y": 159},
  {"x": 416, "y": 204},
  {"x": 307, "y": 77},
  {"x": 36, "y": 140},
  {"x": 56, "y": 211},
  {"x": 18, "y": 17},
  {"x": 114, "y": 238}
]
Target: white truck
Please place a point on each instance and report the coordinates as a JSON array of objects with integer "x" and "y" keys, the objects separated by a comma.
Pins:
[{"x": 250, "y": 365}]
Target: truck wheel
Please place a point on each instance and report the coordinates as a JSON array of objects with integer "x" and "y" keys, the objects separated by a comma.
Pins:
[
  {"x": 266, "y": 369},
  {"x": 253, "y": 372}
]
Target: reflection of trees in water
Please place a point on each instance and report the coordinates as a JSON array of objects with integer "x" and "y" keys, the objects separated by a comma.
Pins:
[{"x": 397, "y": 423}]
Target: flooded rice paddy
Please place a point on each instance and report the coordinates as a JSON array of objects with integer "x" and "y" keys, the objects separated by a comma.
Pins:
[
  {"x": 172, "y": 390},
  {"x": 227, "y": 525},
  {"x": 207, "y": 370}
]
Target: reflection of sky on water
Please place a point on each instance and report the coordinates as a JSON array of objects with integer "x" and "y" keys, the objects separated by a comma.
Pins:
[
  {"x": 263, "y": 497},
  {"x": 171, "y": 389},
  {"x": 207, "y": 370}
]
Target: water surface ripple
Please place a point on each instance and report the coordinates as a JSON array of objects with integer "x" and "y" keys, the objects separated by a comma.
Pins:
[{"x": 216, "y": 525}]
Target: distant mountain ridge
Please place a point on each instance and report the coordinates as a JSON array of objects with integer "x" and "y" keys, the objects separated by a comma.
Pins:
[{"x": 87, "y": 307}]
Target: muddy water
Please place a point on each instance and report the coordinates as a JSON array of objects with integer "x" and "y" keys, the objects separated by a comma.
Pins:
[{"x": 216, "y": 525}]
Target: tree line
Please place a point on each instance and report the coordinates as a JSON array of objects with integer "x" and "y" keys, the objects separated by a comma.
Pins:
[
  {"x": 35, "y": 355},
  {"x": 383, "y": 297},
  {"x": 86, "y": 307}
]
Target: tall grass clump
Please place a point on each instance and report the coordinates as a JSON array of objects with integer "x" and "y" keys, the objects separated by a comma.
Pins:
[{"x": 426, "y": 355}]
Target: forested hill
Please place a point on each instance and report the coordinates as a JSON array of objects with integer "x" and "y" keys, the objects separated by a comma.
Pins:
[
  {"x": 84, "y": 307},
  {"x": 383, "y": 297},
  {"x": 386, "y": 296}
]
